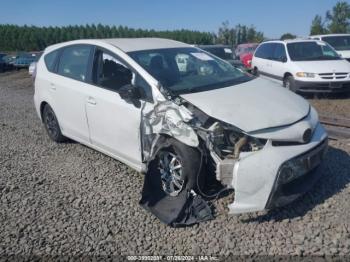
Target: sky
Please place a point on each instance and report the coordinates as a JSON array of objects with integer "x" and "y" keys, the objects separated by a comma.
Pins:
[{"x": 273, "y": 17}]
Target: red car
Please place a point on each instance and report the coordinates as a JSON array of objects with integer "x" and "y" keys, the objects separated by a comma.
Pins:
[
  {"x": 247, "y": 60},
  {"x": 245, "y": 52}
]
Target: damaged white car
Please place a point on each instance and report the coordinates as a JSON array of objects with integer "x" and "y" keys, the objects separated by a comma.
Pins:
[{"x": 132, "y": 100}]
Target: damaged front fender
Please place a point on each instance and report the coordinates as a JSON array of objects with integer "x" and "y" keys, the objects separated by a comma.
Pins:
[{"x": 165, "y": 118}]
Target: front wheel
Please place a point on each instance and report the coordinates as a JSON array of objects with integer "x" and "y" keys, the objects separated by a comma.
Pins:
[
  {"x": 289, "y": 83},
  {"x": 179, "y": 167}
]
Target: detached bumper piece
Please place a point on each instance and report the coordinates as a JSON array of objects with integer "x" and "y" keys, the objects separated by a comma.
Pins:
[
  {"x": 323, "y": 87},
  {"x": 296, "y": 177},
  {"x": 186, "y": 209}
]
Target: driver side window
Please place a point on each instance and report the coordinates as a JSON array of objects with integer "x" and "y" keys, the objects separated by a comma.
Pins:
[{"x": 109, "y": 72}]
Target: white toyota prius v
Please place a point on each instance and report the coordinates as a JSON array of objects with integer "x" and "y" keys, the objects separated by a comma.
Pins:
[{"x": 132, "y": 100}]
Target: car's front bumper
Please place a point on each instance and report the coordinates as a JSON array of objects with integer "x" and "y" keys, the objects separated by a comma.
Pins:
[
  {"x": 285, "y": 192},
  {"x": 322, "y": 86},
  {"x": 256, "y": 175}
]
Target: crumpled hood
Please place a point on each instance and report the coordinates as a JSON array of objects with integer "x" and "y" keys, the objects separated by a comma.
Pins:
[
  {"x": 327, "y": 66},
  {"x": 251, "y": 106}
]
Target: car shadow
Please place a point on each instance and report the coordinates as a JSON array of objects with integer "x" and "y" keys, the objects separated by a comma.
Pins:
[{"x": 335, "y": 177}]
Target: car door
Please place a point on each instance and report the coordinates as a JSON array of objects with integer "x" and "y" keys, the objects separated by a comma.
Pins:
[
  {"x": 68, "y": 87},
  {"x": 261, "y": 58},
  {"x": 278, "y": 61},
  {"x": 114, "y": 124}
]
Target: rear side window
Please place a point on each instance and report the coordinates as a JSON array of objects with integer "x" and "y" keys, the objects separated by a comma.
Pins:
[
  {"x": 265, "y": 51},
  {"x": 74, "y": 62},
  {"x": 50, "y": 60}
]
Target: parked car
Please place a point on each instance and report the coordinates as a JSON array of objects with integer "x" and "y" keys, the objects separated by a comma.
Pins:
[
  {"x": 340, "y": 42},
  {"x": 23, "y": 60},
  {"x": 4, "y": 63},
  {"x": 303, "y": 65},
  {"x": 224, "y": 52},
  {"x": 244, "y": 49},
  {"x": 247, "y": 60},
  {"x": 129, "y": 99},
  {"x": 32, "y": 66}
]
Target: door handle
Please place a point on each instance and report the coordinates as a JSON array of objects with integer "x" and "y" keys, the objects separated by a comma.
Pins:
[
  {"x": 52, "y": 86},
  {"x": 91, "y": 100}
]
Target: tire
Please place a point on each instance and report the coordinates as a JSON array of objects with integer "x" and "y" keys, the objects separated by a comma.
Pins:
[
  {"x": 51, "y": 125},
  {"x": 289, "y": 83},
  {"x": 255, "y": 71},
  {"x": 183, "y": 172}
]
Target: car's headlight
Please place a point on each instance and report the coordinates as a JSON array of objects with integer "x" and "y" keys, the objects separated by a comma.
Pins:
[{"x": 304, "y": 74}]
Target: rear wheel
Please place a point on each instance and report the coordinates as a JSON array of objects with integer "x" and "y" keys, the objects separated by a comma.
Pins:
[{"x": 51, "y": 125}]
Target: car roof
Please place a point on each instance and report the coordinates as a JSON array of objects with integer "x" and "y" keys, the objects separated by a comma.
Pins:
[
  {"x": 291, "y": 41},
  {"x": 330, "y": 35},
  {"x": 213, "y": 46},
  {"x": 128, "y": 44}
]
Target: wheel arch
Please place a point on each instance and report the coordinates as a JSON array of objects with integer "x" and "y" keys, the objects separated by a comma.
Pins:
[{"x": 286, "y": 74}]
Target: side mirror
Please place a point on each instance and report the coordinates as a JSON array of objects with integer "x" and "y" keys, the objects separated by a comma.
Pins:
[{"x": 129, "y": 93}]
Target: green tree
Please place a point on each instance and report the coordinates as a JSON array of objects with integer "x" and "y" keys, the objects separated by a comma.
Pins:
[
  {"x": 288, "y": 36},
  {"x": 339, "y": 18},
  {"x": 318, "y": 26}
]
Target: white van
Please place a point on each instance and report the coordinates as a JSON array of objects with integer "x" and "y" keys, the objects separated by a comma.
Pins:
[
  {"x": 134, "y": 100},
  {"x": 340, "y": 42},
  {"x": 303, "y": 65}
]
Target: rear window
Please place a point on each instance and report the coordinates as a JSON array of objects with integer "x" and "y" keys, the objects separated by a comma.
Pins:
[
  {"x": 74, "y": 62},
  {"x": 50, "y": 60},
  {"x": 222, "y": 52}
]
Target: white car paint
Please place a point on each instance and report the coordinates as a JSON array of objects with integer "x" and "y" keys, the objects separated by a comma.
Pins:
[
  {"x": 102, "y": 120},
  {"x": 252, "y": 192},
  {"x": 277, "y": 70},
  {"x": 227, "y": 105},
  {"x": 344, "y": 53}
]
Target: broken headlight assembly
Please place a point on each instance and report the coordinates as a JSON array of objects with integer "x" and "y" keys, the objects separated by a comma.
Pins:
[
  {"x": 301, "y": 165},
  {"x": 228, "y": 141}
]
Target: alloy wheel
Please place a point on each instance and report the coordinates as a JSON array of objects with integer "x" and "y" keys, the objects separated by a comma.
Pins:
[
  {"x": 51, "y": 124},
  {"x": 171, "y": 173}
]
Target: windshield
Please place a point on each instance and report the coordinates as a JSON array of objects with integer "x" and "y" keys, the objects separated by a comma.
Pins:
[
  {"x": 188, "y": 70},
  {"x": 339, "y": 43},
  {"x": 250, "y": 49},
  {"x": 311, "y": 51}
]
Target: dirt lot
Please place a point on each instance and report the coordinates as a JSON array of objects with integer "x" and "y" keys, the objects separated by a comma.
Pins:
[
  {"x": 67, "y": 199},
  {"x": 338, "y": 105}
]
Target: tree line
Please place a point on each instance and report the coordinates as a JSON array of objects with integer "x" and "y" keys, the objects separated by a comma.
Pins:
[
  {"x": 335, "y": 21},
  {"x": 34, "y": 38},
  {"x": 238, "y": 34}
]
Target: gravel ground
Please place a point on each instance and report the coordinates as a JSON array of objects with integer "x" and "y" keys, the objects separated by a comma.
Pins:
[
  {"x": 67, "y": 199},
  {"x": 338, "y": 105}
]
